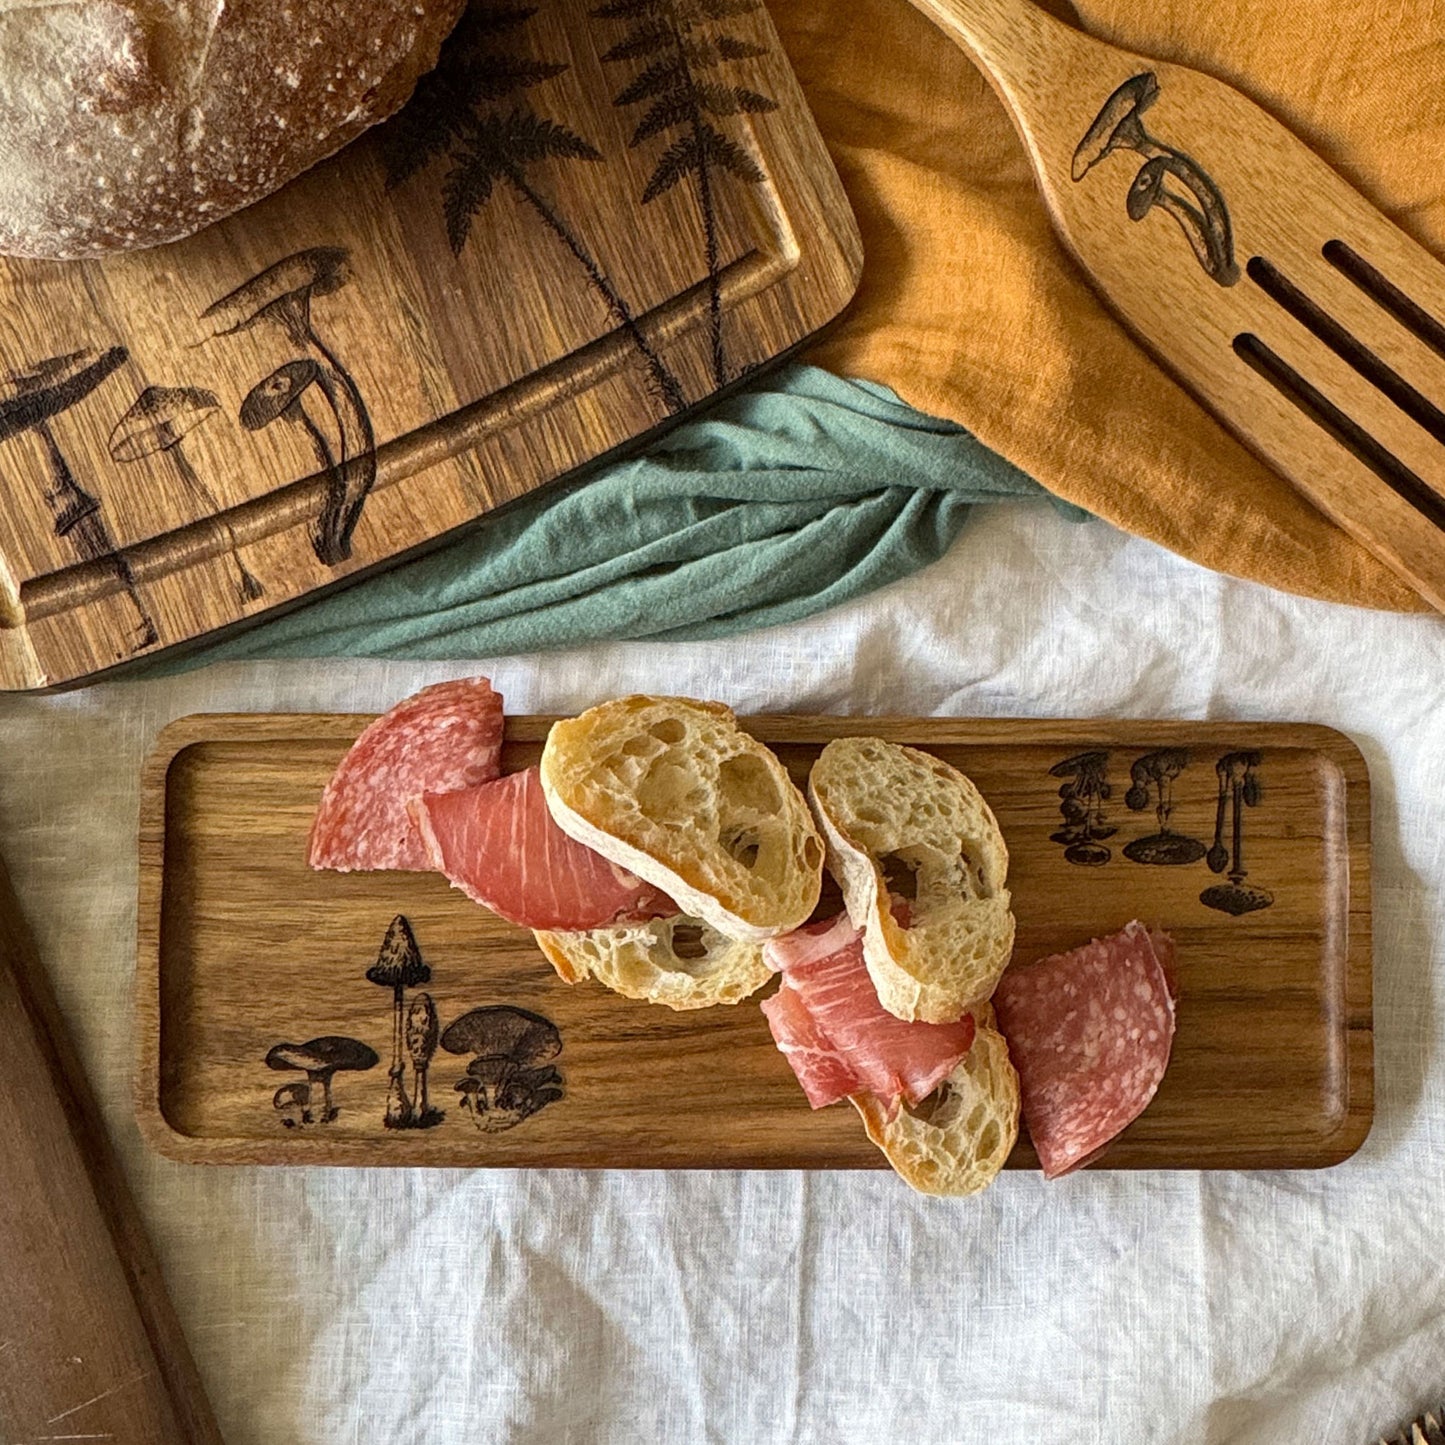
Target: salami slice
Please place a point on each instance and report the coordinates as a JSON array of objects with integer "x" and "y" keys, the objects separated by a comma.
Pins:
[
  {"x": 1090, "y": 1033},
  {"x": 828, "y": 1022},
  {"x": 499, "y": 845},
  {"x": 442, "y": 738}
]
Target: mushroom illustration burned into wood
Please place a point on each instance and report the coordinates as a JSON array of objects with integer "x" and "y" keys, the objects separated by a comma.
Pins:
[
  {"x": 399, "y": 966},
  {"x": 1202, "y": 215},
  {"x": 1238, "y": 789},
  {"x": 1082, "y": 797},
  {"x": 422, "y": 1030},
  {"x": 509, "y": 1079},
  {"x": 41, "y": 394},
  {"x": 281, "y": 295},
  {"x": 1157, "y": 771},
  {"x": 158, "y": 420},
  {"x": 320, "y": 1059}
]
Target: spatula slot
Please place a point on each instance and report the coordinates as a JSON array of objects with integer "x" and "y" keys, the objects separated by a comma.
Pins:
[
  {"x": 1380, "y": 289},
  {"x": 1418, "y": 408},
  {"x": 1350, "y": 435}
]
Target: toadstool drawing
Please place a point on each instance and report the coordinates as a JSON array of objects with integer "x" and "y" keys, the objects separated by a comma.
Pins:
[
  {"x": 1238, "y": 789},
  {"x": 40, "y": 394},
  {"x": 320, "y": 1059},
  {"x": 1082, "y": 797},
  {"x": 157, "y": 421},
  {"x": 281, "y": 296},
  {"x": 398, "y": 966},
  {"x": 293, "y": 1096},
  {"x": 422, "y": 1030},
  {"x": 1156, "y": 771},
  {"x": 509, "y": 1078}
]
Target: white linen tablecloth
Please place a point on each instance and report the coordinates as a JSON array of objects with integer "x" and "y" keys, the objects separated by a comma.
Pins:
[{"x": 327, "y": 1307}]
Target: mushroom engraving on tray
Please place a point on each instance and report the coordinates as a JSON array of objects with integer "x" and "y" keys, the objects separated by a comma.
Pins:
[
  {"x": 41, "y": 394},
  {"x": 1194, "y": 201},
  {"x": 319, "y": 1059},
  {"x": 1238, "y": 789},
  {"x": 281, "y": 296},
  {"x": 1082, "y": 795},
  {"x": 399, "y": 966},
  {"x": 456, "y": 112},
  {"x": 1154, "y": 775},
  {"x": 509, "y": 1077},
  {"x": 157, "y": 422},
  {"x": 682, "y": 47}
]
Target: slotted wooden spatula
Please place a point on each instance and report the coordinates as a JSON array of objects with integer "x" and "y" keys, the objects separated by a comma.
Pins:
[{"x": 1309, "y": 324}]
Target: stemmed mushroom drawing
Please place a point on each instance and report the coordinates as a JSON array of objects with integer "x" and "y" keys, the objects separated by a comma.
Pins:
[
  {"x": 509, "y": 1078},
  {"x": 399, "y": 966},
  {"x": 1155, "y": 773},
  {"x": 320, "y": 1059},
  {"x": 281, "y": 296},
  {"x": 1200, "y": 212},
  {"x": 157, "y": 421},
  {"x": 42, "y": 393},
  {"x": 1082, "y": 797},
  {"x": 1238, "y": 789},
  {"x": 422, "y": 1029}
]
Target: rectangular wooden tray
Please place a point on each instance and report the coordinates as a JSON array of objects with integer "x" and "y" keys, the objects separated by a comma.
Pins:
[{"x": 243, "y": 947}]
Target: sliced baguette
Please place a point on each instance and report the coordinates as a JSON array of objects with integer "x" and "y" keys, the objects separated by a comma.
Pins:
[
  {"x": 643, "y": 961},
  {"x": 957, "y": 1140},
  {"x": 887, "y": 809},
  {"x": 675, "y": 791}
]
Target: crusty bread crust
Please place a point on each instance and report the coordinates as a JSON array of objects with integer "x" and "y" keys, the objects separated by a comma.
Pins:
[
  {"x": 957, "y": 1144},
  {"x": 127, "y": 123},
  {"x": 641, "y": 961},
  {"x": 877, "y": 801},
  {"x": 673, "y": 790}
]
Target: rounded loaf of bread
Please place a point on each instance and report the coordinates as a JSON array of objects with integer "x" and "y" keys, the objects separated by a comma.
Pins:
[{"x": 128, "y": 123}]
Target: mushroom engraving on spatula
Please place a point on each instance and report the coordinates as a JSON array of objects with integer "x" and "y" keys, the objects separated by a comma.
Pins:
[
  {"x": 157, "y": 422},
  {"x": 1154, "y": 775},
  {"x": 1198, "y": 208},
  {"x": 42, "y": 393},
  {"x": 281, "y": 296},
  {"x": 509, "y": 1078},
  {"x": 1238, "y": 789},
  {"x": 319, "y": 1059},
  {"x": 399, "y": 966}
]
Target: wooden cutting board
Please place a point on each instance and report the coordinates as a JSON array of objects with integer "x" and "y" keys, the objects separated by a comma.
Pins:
[
  {"x": 1250, "y": 842},
  {"x": 580, "y": 228}
]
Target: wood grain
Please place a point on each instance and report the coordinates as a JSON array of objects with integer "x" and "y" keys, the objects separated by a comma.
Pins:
[
  {"x": 90, "y": 1348},
  {"x": 1251, "y": 270},
  {"x": 242, "y": 947},
  {"x": 438, "y": 375}
]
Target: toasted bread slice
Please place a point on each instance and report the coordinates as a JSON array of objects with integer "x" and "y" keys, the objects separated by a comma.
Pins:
[
  {"x": 679, "y": 962},
  {"x": 957, "y": 1139},
  {"x": 899, "y": 820},
  {"x": 676, "y": 792}
]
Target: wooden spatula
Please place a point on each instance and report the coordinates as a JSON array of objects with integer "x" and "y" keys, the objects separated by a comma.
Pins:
[{"x": 1309, "y": 324}]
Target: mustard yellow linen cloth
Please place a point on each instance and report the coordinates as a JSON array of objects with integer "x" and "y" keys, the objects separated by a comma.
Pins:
[{"x": 971, "y": 310}]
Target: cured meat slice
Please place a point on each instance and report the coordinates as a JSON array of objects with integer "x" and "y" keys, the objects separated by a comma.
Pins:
[
  {"x": 499, "y": 845},
  {"x": 1090, "y": 1033},
  {"x": 839, "y": 1039},
  {"x": 444, "y": 737}
]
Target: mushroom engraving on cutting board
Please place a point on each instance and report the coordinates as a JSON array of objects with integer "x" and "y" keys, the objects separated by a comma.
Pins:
[
  {"x": 510, "y": 1076},
  {"x": 281, "y": 296},
  {"x": 399, "y": 966},
  {"x": 39, "y": 395},
  {"x": 457, "y": 112},
  {"x": 1082, "y": 795},
  {"x": 319, "y": 1059},
  {"x": 158, "y": 421},
  {"x": 1153, "y": 776},
  {"x": 1193, "y": 200},
  {"x": 1239, "y": 789},
  {"x": 681, "y": 46}
]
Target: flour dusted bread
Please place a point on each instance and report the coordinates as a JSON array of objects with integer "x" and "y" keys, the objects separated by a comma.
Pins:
[
  {"x": 675, "y": 791},
  {"x": 679, "y": 962},
  {"x": 902, "y": 821},
  {"x": 957, "y": 1140},
  {"x": 126, "y": 123}
]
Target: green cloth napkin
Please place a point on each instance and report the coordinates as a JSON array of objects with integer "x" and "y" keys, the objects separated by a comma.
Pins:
[{"x": 779, "y": 502}]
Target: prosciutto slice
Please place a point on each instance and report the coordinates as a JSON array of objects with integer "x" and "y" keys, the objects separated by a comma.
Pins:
[
  {"x": 839, "y": 1039},
  {"x": 1090, "y": 1033},
  {"x": 499, "y": 845},
  {"x": 443, "y": 737}
]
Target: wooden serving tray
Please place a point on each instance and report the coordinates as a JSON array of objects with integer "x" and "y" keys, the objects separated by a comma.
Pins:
[
  {"x": 580, "y": 228},
  {"x": 244, "y": 948}
]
